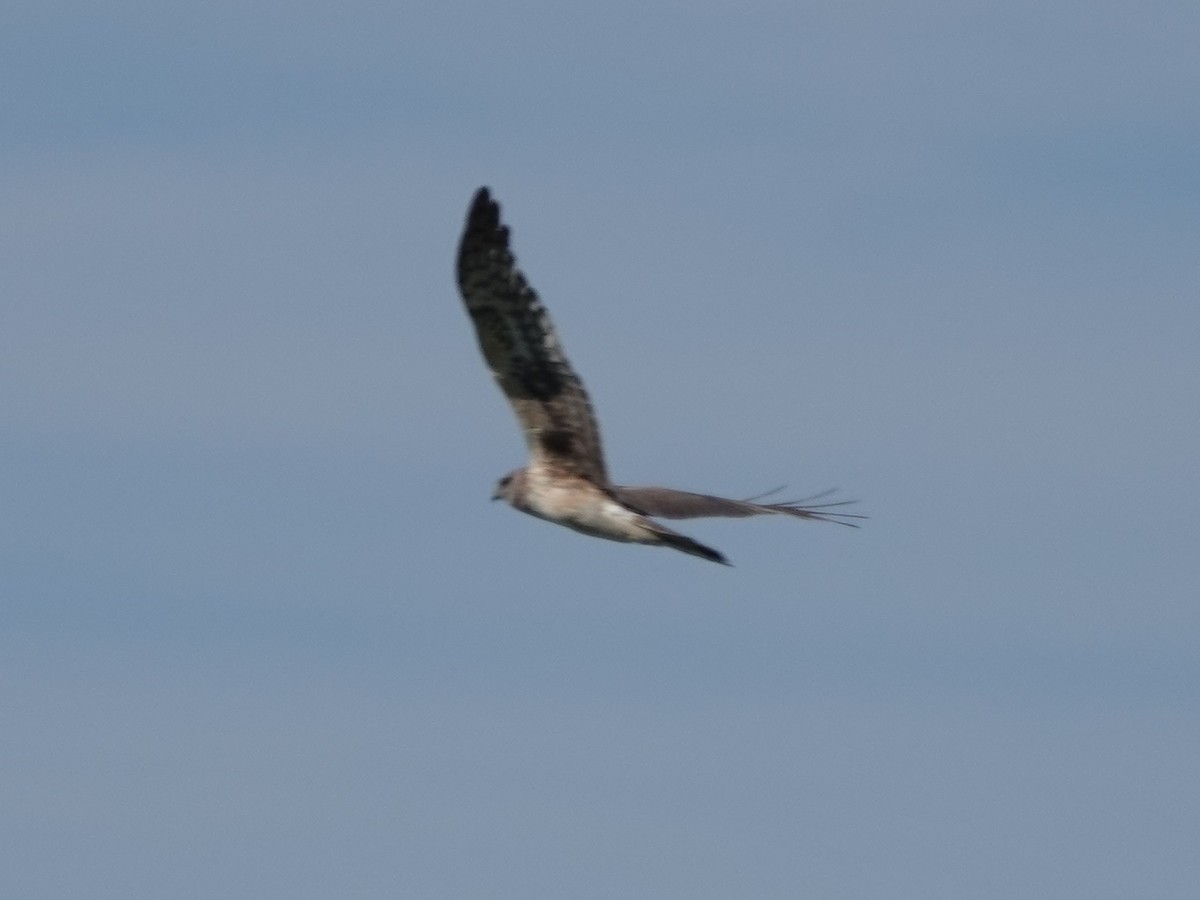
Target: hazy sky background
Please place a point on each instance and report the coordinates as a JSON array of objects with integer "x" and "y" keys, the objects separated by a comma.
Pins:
[{"x": 263, "y": 635}]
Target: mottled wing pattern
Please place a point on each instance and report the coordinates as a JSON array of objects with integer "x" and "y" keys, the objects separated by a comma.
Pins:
[
  {"x": 665, "y": 503},
  {"x": 522, "y": 349}
]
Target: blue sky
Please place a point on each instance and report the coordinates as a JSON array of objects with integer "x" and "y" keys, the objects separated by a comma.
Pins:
[{"x": 265, "y": 636}]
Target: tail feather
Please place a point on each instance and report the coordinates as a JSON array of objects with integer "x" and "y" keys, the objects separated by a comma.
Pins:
[{"x": 673, "y": 539}]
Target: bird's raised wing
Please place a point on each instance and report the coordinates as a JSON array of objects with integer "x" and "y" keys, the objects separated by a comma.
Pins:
[
  {"x": 523, "y": 351},
  {"x": 665, "y": 503}
]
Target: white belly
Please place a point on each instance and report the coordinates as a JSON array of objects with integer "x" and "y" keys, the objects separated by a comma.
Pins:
[{"x": 585, "y": 508}]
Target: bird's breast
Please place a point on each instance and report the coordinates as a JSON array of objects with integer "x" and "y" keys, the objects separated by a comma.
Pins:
[{"x": 580, "y": 505}]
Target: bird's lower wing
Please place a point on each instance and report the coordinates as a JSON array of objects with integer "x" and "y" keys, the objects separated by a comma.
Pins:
[{"x": 666, "y": 503}]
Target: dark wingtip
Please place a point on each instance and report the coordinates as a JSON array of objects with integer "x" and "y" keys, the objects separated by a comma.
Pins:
[
  {"x": 484, "y": 208},
  {"x": 483, "y": 230}
]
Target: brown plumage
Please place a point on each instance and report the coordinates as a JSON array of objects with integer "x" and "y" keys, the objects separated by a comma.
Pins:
[
  {"x": 666, "y": 503},
  {"x": 518, "y": 341},
  {"x": 566, "y": 481}
]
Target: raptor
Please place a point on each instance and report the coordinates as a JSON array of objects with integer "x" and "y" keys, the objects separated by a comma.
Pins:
[{"x": 565, "y": 480}]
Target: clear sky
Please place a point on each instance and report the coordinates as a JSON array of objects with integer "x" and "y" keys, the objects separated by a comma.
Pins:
[{"x": 263, "y": 635}]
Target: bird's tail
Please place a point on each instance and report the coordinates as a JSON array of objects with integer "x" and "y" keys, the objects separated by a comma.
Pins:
[{"x": 673, "y": 539}]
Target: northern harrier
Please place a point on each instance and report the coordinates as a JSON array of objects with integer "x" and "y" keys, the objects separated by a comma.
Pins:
[{"x": 566, "y": 481}]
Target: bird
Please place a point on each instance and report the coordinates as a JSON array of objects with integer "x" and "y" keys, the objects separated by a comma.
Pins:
[{"x": 565, "y": 480}]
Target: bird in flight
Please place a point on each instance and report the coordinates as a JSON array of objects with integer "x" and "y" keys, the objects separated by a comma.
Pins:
[{"x": 566, "y": 481}]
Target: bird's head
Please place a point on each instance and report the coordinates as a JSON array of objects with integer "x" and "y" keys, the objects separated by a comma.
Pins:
[{"x": 510, "y": 486}]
